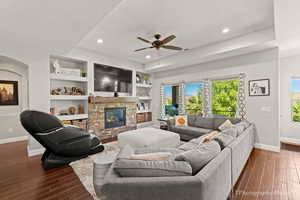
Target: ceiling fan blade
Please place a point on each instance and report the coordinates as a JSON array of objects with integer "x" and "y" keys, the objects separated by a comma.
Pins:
[
  {"x": 144, "y": 40},
  {"x": 172, "y": 47},
  {"x": 143, "y": 49},
  {"x": 168, "y": 39}
]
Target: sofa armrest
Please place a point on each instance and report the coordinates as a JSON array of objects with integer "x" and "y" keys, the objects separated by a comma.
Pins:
[
  {"x": 215, "y": 177},
  {"x": 171, "y": 122},
  {"x": 151, "y": 188}
]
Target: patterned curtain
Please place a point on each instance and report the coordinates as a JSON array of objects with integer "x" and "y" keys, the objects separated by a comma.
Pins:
[
  {"x": 242, "y": 97},
  {"x": 181, "y": 99},
  {"x": 162, "y": 102},
  {"x": 207, "y": 98}
]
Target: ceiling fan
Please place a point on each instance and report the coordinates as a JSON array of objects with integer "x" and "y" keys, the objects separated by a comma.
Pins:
[{"x": 157, "y": 44}]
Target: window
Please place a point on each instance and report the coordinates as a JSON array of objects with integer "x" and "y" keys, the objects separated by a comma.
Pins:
[
  {"x": 194, "y": 98},
  {"x": 296, "y": 100},
  {"x": 171, "y": 97},
  {"x": 225, "y": 97}
]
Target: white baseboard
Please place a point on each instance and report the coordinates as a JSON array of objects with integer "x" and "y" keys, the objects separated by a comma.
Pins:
[
  {"x": 35, "y": 152},
  {"x": 267, "y": 147},
  {"x": 290, "y": 140},
  {"x": 13, "y": 139}
]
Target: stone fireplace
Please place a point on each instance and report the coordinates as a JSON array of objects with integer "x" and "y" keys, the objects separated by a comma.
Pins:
[{"x": 109, "y": 116}]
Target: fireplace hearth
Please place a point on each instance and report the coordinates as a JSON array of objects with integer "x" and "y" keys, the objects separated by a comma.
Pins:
[{"x": 115, "y": 117}]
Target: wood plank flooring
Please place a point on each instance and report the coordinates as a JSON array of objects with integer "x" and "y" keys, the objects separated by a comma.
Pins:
[{"x": 267, "y": 176}]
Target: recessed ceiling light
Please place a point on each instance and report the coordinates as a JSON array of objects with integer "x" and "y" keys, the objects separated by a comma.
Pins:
[
  {"x": 148, "y": 56},
  {"x": 225, "y": 30},
  {"x": 100, "y": 41}
]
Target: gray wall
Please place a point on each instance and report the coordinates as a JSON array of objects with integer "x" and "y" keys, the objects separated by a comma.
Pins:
[
  {"x": 289, "y": 67},
  {"x": 263, "y": 111}
]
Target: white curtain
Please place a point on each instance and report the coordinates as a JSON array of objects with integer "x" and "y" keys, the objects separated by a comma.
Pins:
[
  {"x": 242, "y": 97},
  {"x": 181, "y": 101},
  {"x": 162, "y": 102},
  {"x": 207, "y": 98}
]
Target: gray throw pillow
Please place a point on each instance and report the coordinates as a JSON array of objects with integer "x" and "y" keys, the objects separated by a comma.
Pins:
[
  {"x": 192, "y": 144},
  {"x": 233, "y": 131},
  {"x": 224, "y": 140},
  {"x": 153, "y": 168},
  {"x": 199, "y": 157}
]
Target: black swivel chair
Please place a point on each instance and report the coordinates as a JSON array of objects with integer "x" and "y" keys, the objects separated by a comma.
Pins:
[{"x": 63, "y": 144}]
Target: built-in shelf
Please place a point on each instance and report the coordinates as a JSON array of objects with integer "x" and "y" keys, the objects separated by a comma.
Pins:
[
  {"x": 68, "y": 78},
  {"x": 143, "y": 85},
  {"x": 72, "y": 117},
  {"x": 68, "y": 97},
  {"x": 144, "y": 111},
  {"x": 145, "y": 98}
]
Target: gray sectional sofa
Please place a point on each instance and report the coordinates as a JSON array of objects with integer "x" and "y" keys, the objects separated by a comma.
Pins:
[
  {"x": 213, "y": 182},
  {"x": 198, "y": 126}
]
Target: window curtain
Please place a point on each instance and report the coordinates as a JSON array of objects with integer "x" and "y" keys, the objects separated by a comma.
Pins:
[
  {"x": 207, "y": 98},
  {"x": 181, "y": 97},
  {"x": 162, "y": 102},
  {"x": 242, "y": 97}
]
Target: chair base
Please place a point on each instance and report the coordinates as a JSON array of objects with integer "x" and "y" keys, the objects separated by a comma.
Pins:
[{"x": 50, "y": 160}]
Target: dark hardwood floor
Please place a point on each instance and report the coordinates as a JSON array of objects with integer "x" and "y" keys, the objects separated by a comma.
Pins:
[{"x": 267, "y": 176}]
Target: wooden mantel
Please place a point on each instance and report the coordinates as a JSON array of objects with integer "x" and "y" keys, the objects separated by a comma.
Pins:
[{"x": 98, "y": 99}]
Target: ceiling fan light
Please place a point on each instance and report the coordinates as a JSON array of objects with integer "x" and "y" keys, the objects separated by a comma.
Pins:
[
  {"x": 225, "y": 30},
  {"x": 148, "y": 56},
  {"x": 100, "y": 41}
]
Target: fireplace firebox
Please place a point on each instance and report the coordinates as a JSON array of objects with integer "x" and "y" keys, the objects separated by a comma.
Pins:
[{"x": 115, "y": 117}]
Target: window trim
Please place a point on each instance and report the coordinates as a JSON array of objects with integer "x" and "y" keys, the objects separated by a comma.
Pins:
[{"x": 291, "y": 97}]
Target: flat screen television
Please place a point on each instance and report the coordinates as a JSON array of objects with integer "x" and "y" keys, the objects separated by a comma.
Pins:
[{"x": 112, "y": 79}]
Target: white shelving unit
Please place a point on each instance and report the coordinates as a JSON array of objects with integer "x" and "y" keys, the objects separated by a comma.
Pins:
[
  {"x": 63, "y": 102},
  {"x": 143, "y": 92}
]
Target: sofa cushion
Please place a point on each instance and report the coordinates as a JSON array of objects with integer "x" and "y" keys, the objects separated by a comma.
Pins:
[
  {"x": 241, "y": 126},
  {"x": 190, "y": 130},
  {"x": 233, "y": 131},
  {"x": 224, "y": 140},
  {"x": 142, "y": 168},
  {"x": 200, "y": 156},
  {"x": 192, "y": 119},
  {"x": 204, "y": 122},
  {"x": 151, "y": 156},
  {"x": 219, "y": 121}
]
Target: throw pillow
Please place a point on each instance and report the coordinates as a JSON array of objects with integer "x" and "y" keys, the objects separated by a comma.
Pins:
[
  {"x": 151, "y": 156},
  {"x": 224, "y": 140},
  {"x": 146, "y": 168},
  {"x": 181, "y": 120},
  {"x": 225, "y": 125},
  {"x": 199, "y": 157},
  {"x": 211, "y": 136},
  {"x": 125, "y": 152},
  {"x": 233, "y": 131}
]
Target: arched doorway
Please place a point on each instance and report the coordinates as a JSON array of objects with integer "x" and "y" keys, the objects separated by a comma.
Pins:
[{"x": 13, "y": 82}]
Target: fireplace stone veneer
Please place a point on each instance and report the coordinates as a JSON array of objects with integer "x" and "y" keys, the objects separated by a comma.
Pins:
[{"x": 98, "y": 106}]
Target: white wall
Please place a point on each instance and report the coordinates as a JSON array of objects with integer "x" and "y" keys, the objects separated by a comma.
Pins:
[
  {"x": 39, "y": 80},
  {"x": 256, "y": 66},
  {"x": 289, "y": 67},
  {"x": 11, "y": 128}
]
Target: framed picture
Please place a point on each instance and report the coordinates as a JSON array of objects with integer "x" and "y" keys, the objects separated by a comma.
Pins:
[
  {"x": 259, "y": 87},
  {"x": 8, "y": 93}
]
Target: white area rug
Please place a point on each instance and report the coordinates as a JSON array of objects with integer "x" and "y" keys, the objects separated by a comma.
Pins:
[{"x": 84, "y": 167}]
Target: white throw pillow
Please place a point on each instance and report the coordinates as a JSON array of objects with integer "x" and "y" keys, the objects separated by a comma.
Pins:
[
  {"x": 181, "y": 120},
  {"x": 227, "y": 124}
]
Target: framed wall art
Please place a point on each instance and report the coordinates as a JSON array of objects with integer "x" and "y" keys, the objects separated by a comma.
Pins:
[
  {"x": 259, "y": 87},
  {"x": 8, "y": 93}
]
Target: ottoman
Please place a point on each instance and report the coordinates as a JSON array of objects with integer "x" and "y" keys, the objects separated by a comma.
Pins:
[{"x": 149, "y": 138}]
